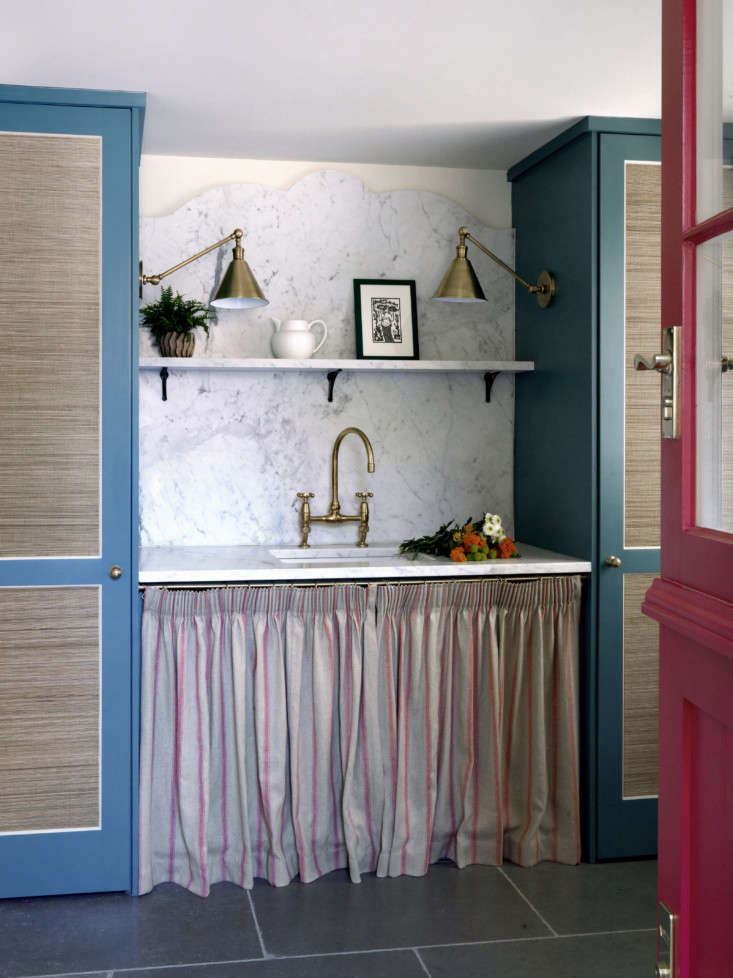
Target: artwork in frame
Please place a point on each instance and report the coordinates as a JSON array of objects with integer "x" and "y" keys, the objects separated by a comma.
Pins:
[{"x": 386, "y": 319}]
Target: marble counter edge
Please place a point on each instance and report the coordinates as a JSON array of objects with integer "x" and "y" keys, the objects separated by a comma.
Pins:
[{"x": 223, "y": 565}]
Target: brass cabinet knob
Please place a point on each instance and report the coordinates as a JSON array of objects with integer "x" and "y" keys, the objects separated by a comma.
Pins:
[
  {"x": 613, "y": 561},
  {"x": 115, "y": 572}
]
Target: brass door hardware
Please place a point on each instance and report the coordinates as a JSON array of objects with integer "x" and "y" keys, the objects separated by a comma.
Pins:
[
  {"x": 665, "y": 967},
  {"x": 726, "y": 364},
  {"x": 335, "y": 515},
  {"x": 115, "y": 572},
  {"x": 613, "y": 561},
  {"x": 667, "y": 363}
]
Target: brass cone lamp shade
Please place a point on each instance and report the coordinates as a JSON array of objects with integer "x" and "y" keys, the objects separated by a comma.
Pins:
[
  {"x": 460, "y": 283},
  {"x": 238, "y": 289}
]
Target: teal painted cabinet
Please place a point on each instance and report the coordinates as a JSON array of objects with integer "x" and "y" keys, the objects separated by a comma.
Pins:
[
  {"x": 586, "y": 206},
  {"x": 68, "y": 489}
]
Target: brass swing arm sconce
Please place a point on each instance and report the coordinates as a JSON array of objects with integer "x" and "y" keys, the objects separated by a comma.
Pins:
[
  {"x": 461, "y": 283},
  {"x": 238, "y": 288}
]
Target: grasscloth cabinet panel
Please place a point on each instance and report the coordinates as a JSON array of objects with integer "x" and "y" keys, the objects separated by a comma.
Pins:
[
  {"x": 50, "y": 334},
  {"x": 49, "y": 708}
]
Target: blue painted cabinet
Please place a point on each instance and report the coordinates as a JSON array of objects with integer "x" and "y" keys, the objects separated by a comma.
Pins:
[
  {"x": 68, "y": 490},
  {"x": 585, "y": 207}
]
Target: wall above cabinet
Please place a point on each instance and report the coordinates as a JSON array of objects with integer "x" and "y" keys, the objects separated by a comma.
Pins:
[{"x": 489, "y": 368}]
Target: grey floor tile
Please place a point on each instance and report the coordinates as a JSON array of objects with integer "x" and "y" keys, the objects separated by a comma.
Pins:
[
  {"x": 447, "y": 905},
  {"x": 58, "y": 935},
  {"x": 599, "y": 956},
  {"x": 598, "y": 897},
  {"x": 388, "y": 964}
]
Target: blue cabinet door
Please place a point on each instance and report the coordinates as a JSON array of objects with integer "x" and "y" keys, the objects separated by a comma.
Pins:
[
  {"x": 67, "y": 257},
  {"x": 629, "y": 412}
]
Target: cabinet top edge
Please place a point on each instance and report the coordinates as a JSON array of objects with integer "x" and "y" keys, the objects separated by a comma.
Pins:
[
  {"x": 90, "y": 98},
  {"x": 590, "y": 124}
]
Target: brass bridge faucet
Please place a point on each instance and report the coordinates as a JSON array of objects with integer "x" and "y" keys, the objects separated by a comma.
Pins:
[{"x": 335, "y": 515}]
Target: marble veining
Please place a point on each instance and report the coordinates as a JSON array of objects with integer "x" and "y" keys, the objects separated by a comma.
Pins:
[{"x": 222, "y": 459}]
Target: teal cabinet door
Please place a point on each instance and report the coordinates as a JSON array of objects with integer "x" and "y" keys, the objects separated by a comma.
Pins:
[
  {"x": 67, "y": 490},
  {"x": 629, "y": 493}
]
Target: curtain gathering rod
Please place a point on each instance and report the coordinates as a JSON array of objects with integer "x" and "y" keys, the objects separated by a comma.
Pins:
[{"x": 226, "y": 585}]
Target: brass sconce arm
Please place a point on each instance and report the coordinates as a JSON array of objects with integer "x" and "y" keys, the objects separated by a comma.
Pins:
[
  {"x": 238, "y": 288},
  {"x": 461, "y": 283},
  {"x": 465, "y": 235},
  {"x": 155, "y": 279}
]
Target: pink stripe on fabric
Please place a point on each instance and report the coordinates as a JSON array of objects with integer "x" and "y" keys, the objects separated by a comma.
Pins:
[
  {"x": 403, "y": 714},
  {"x": 155, "y": 712},
  {"x": 202, "y": 807},
  {"x": 555, "y": 756},
  {"x": 429, "y": 813},
  {"x": 298, "y": 786},
  {"x": 266, "y": 751},
  {"x": 510, "y": 736},
  {"x": 391, "y": 708},
  {"x": 573, "y": 748},
  {"x": 495, "y": 740},
  {"x": 175, "y": 774},
  {"x": 470, "y": 761},
  {"x": 453, "y": 746},
  {"x": 348, "y": 665},
  {"x": 224, "y": 745},
  {"x": 365, "y": 751},
  {"x": 334, "y": 700},
  {"x": 530, "y": 746}
]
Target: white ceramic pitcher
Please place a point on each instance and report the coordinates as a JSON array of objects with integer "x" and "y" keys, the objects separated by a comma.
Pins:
[{"x": 293, "y": 338}]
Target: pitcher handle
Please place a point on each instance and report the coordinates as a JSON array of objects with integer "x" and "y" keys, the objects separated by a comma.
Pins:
[{"x": 319, "y": 322}]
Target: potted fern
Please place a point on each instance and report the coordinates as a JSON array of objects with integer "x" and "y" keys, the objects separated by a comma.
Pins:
[{"x": 172, "y": 321}]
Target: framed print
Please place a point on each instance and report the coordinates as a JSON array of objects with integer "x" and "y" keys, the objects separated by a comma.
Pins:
[{"x": 386, "y": 319}]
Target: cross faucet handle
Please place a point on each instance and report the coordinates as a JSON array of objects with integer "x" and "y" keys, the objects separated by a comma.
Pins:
[
  {"x": 364, "y": 495},
  {"x": 305, "y": 495}
]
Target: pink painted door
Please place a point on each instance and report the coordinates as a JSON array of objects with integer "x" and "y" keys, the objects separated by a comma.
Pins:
[{"x": 693, "y": 599}]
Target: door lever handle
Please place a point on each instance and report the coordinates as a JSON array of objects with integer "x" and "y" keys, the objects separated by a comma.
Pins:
[{"x": 661, "y": 362}]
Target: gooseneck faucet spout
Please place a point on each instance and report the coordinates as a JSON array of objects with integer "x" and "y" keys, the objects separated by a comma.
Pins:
[
  {"x": 334, "y": 514},
  {"x": 335, "y": 505}
]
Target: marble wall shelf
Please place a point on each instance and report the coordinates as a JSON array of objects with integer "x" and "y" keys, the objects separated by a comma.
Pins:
[{"x": 489, "y": 368}]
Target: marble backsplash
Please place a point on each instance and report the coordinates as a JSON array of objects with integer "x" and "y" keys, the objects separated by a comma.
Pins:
[{"x": 222, "y": 459}]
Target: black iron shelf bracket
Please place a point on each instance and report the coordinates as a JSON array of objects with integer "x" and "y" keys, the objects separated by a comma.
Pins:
[
  {"x": 164, "y": 382},
  {"x": 489, "y": 378},
  {"x": 332, "y": 375}
]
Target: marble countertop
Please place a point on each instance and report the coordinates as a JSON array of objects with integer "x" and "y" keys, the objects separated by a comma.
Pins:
[{"x": 331, "y": 562}]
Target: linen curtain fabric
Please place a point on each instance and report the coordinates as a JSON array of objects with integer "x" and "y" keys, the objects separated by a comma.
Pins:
[{"x": 293, "y": 731}]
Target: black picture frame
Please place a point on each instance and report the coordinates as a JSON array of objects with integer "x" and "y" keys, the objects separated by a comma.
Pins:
[{"x": 385, "y": 313}]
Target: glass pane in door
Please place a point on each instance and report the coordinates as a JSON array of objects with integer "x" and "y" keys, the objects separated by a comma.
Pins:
[
  {"x": 714, "y": 74},
  {"x": 714, "y": 384}
]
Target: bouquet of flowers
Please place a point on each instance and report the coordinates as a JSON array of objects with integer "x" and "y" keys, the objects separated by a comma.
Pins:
[{"x": 464, "y": 543}]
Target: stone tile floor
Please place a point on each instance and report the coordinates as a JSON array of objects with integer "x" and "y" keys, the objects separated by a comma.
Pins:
[{"x": 548, "y": 922}]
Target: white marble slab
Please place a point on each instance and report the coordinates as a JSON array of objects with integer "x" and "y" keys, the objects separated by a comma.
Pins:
[
  {"x": 212, "y": 565},
  {"x": 222, "y": 459}
]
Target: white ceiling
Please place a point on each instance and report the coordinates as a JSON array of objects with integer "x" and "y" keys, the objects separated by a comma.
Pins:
[{"x": 476, "y": 83}]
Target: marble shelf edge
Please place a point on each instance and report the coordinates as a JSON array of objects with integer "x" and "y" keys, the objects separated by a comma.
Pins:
[
  {"x": 416, "y": 366},
  {"x": 489, "y": 368}
]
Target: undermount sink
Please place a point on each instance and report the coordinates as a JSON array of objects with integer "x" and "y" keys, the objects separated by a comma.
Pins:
[{"x": 332, "y": 553}]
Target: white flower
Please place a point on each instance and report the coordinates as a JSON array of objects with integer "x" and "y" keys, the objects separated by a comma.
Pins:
[{"x": 492, "y": 526}]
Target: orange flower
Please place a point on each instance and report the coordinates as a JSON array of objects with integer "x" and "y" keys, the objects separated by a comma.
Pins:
[
  {"x": 470, "y": 540},
  {"x": 507, "y": 548},
  {"x": 458, "y": 554},
  {"x": 468, "y": 528}
]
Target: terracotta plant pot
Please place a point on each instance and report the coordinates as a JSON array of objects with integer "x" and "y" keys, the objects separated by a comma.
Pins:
[{"x": 177, "y": 344}]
